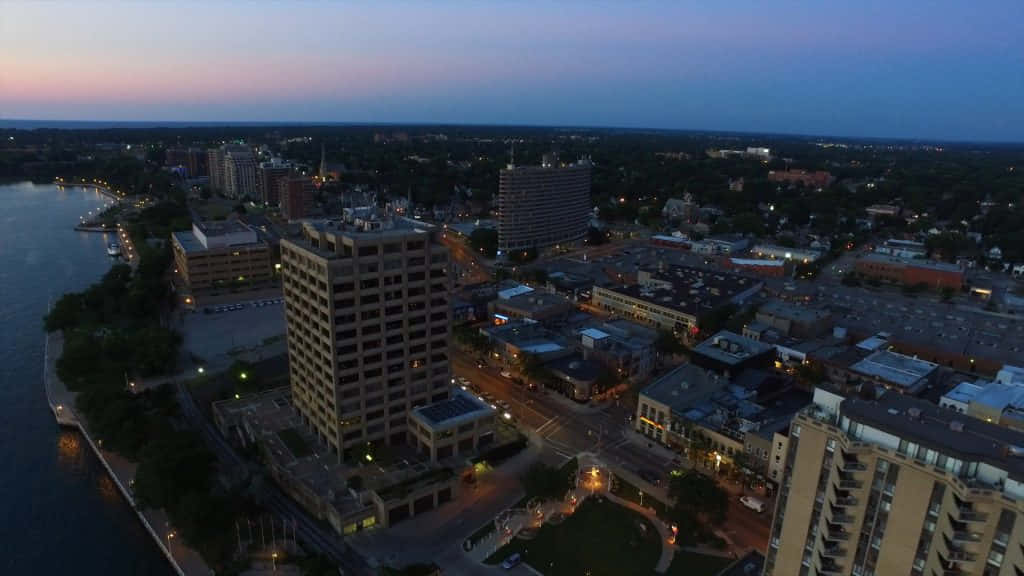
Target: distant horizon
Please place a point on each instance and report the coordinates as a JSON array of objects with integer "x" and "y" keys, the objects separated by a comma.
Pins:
[
  {"x": 65, "y": 124},
  {"x": 941, "y": 71}
]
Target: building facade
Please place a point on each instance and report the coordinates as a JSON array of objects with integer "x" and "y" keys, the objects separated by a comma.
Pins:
[
  {"x": 240, "y": 179},
  {"x": 296, "y": 197},
  {"x": 934, "y": 275},
  {"x": 215, "y": 165},
  {"x": 219, "y": 257},
  {"x": 542, "y": 206},
  {"x": 369, "y": 324},
  {"x": 956, "y": 482},
  {"x": 270, "y": 177}
]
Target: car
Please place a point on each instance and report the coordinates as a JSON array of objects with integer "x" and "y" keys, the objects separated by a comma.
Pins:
[
  {"x": 506, "y": 374},
  {"x": 512, "y": 561},
  {"x": 755, "y": 504}
]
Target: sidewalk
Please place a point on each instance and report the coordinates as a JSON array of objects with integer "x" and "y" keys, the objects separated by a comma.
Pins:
[{"x": 184, "y": 560}]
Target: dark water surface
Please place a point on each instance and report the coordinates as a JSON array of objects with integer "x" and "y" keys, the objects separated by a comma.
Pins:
[{"x": 59, "y": 511}]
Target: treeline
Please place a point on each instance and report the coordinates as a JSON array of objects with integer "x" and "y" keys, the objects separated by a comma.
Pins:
[{"x": 113, "y": 334}]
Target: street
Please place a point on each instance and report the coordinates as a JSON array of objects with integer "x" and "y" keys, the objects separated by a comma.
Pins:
[{"x": 564, "y": 428}]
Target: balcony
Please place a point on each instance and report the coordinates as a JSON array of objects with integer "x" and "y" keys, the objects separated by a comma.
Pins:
[
  {"x": 833, "y": 551},
  {"x": 968, "y": 514},
  {"x": 964, "y": 536},
  {"x": 845, "y": 501},
  {"x": 849, "y": 483},
  {"x": 842, "y": 519},
  {"x": 852, "y": 465},
  {"x": 956, "y": 555}
]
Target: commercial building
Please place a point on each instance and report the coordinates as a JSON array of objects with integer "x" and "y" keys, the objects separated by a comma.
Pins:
[
  {"x": 795, "y": 320},
  {"x": 675, "y": 298},
  {"x": 902, "y": 248},
  {"x": 625, "y": 348},
  {"x": 883, "y": 210},
  {"x": 240, "y": 180},
  {"x": 662, "y": 404},
  {"x": 934, "y": 275},
  {"x": 850, "y": 368},
  {"x": 804, "y": 255},
  {"x": 729, "y": 353},
  {"x": 460, "y": 425},
  {"x": 897, "y": 485},
  {"x": 1000, "y": 401},
  {"x": 296, "y": 197},
  {"x": 369, "y": 324},
  {"x": 271, "y": 175},
  {"x": 514, "y": 339},
  {"x": 542, "y": 206},
  {"x": 220, "y": 257},
  {"x": 818, "y": 179},
  {"x": 726, "y": 244},
  {"x": 760, "y": 267},
  {"x": 533, "y": 305}
]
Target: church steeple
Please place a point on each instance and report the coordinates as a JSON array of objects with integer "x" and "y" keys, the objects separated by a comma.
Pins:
[{"x": 323, "y": 163}]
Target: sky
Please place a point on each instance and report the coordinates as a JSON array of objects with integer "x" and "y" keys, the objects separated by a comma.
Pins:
[{"x": 950, "y": 70}]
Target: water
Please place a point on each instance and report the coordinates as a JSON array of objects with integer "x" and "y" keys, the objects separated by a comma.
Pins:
[{"x": 59, "y": 511}]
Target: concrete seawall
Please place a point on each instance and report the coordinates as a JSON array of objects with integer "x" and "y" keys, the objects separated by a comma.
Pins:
[{"x": 184, "y": 560}]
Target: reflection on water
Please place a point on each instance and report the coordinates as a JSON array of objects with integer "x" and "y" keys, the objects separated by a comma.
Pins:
[
  {"x": 108, "y": 490},
  {"x": 70, "y": 451}
]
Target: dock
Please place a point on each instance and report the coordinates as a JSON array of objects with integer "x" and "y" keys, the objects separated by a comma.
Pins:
[{"x": 184, "y": 560}]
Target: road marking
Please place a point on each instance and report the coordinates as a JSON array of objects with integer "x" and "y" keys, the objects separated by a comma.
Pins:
[{"x": 546, "y": 424}]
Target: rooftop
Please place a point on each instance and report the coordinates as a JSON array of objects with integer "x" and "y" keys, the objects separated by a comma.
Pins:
[
  {"x": 458, "y": 409},
  {"x": 575, "y": 367},
  {"x": 904, "y": 371},
  {"x": 731, "y": 348},
  {"x": 941, "y": 429},
  {"x": 793, "y": 312},
  {"x": 221, "y": 227},
  {"x": 875, "y": 257},
  {"x": 684, "y": 387},
  {"x": 689, "y": 290}
]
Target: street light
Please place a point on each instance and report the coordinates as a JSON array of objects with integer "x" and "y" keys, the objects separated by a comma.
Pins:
[
  {"x": 273, "y": 558},
  {"x": 200, "y": 370}
]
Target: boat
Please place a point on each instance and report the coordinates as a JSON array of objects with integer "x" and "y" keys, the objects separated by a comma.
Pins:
[{"x": 113, "y": 249}]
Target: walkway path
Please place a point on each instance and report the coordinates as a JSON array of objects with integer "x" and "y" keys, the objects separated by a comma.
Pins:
[{"x": 184, "y": 560}]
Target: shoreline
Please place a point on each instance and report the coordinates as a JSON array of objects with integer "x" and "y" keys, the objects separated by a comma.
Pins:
[{"x": 185, "y": 561}]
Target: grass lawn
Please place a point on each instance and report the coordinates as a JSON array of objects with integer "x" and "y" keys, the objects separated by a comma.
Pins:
[
  {"x": 600, "y": 539},
  {"x": 690, "y": 564},
  {"x": 293, "y": 440}
]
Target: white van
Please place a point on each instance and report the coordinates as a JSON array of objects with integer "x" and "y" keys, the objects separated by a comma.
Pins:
[{"x": 753, "y": 503}]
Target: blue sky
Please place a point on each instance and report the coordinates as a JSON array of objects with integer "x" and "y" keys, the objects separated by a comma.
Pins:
[{"x": 937, "y": 70}]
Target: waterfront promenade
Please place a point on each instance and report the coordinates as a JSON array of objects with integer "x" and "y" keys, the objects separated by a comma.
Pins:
[{"x": 184, "y": 560}]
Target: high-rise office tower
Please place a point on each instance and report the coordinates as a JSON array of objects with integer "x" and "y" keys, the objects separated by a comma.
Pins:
[
  {"x": 897, "y": 486},
  {"x": 368, "y": 326},
  {"x": 542, "y": 206}
]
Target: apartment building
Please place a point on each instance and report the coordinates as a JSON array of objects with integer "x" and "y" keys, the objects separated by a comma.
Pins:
[
  {"x": 240, "y": 172},
  {"x": 295, "y": 195},
  {"x": 542, "y": 206},
  {"x": 216, "y": 257},
  {"x": 271, "y": 175},
  {"x": 957, "y": 483},
  {"x": 369, "y": 324}
]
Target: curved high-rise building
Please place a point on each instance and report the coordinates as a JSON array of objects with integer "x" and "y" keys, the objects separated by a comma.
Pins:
[{"x": 542, "y": 206}]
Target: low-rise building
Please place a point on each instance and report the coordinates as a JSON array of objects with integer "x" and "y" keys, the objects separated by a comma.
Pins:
[
  {"x": 578, "y": 375},
  {"x": 795, "y": 320},
  {"x": 458, "y": 426},
  {"x": 851, "y": 368},
  {"x": 934, "y": 275},
  {"x": 623, "y": 347},
  {"x": 902, "y": 248},
  {"x": 675, "y": 298},
  {"x": 514, "y": 339},
  {"x": 662, "y": 403},
  {"x": 217, "y": 257},
  {"x": 758, "y": 266},
  {"x": 883, "y": 210},
  {"x": 726, "y": 244},
  {"x": 533, "y": 305},
  {"x": 729, "y": 353},
  {"x": 1000, "y": 401},
  {"x": 804, "y": 255}
]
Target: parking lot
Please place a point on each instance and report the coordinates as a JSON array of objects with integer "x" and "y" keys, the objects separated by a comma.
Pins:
[{"x": 218, "y": 330}]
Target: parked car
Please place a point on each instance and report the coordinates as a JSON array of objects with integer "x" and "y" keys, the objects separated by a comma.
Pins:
[
  {"x": 755, "y": 504},
  {"x": 506, "y": 374},
  {"x": 512, "y": 561}
]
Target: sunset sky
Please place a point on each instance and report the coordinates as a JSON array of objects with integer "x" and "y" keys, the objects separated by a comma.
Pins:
[{"x": 942, "y": 69}]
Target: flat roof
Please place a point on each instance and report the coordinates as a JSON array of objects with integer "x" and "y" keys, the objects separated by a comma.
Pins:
[
  {"x": 514, "y": 291},
  {"x": 902, "y": 370},
  {"x": 964, "y": 392},
  {"x": 594, "y": 333},
  {"x": 916, "y": 263},
  {"x": 221, "y": 227},
  {"x": 188, "y": 241},
  {"x": 794, "y": 312},
  {"x": 684, "y": 388},
  {"x": 758, "y": 262},
  {"x": 460, "y": 408},
  {"x": 692, "y": 291},
  {"x": 731, "y": 348},
  {"x": 970, "y": 440}
]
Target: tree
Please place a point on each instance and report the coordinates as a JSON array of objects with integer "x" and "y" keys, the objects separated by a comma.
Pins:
[
  {"x": 173, "y": 464},
  {"x": 667, "y": 344},
  {"x": 66, "y": 313},
  {"x": 699, "y": 495},
  {"x": 546, "y": 482},
  {"x": 485, "y": 241},
  {"x": 596, "y": 236}
]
